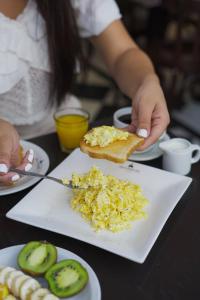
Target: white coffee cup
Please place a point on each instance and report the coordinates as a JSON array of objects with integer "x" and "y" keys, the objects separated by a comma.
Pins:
[
  {"x": 127, "y": 111},
  {"x": 178, "y": 155}
]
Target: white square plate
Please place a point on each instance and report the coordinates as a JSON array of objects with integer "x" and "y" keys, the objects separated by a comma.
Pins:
[{"x": 48, "y": 205}]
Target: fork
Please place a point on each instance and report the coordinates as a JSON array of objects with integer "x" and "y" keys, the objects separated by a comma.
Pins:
[{"x": 33, "y": 174}]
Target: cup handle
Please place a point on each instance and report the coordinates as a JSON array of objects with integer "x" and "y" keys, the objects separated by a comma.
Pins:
[{"x": 196, "y": 157}]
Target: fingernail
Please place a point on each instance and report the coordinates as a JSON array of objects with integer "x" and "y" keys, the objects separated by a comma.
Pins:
[
  {"x": 28, "y": 167},
  {"x": 3, "y": 168},
  {"x": 142, "y": 133},
  {"x": 15, "y": 177},
  {"x": 31, "y": 155}
]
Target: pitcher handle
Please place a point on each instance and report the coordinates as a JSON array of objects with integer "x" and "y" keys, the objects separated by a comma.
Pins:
[{"x": 196, "y": 157}]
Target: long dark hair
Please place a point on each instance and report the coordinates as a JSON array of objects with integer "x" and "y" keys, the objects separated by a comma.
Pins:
[{"x": 63, "y": 44}]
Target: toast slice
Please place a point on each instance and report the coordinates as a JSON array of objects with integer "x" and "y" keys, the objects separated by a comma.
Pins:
[{"x": 117, "y": 151}]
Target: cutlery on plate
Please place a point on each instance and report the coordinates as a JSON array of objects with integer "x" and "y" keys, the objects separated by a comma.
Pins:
[{"x": 33, "y": 174}]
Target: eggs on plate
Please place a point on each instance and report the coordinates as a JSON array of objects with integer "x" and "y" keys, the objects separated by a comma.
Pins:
[{"x": 106, "y": 201}]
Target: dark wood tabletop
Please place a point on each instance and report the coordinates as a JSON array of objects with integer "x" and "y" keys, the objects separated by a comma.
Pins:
[{"x": 171, "y": 270}]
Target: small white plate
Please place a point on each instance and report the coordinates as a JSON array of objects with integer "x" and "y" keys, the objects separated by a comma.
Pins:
[
  {"x": 40, "y": 165},
  {"x": 152, "y": 153},
  {"x": 163, "y": 189},
  {"x": 8, "y": 257}
]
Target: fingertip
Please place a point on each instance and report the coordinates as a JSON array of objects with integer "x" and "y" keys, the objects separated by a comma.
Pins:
[
  {"x": 27, "y": 160},
  {"x": 141, "y": 132},
  {"x": 9, "y": 179},
  {"x": 28, "y": 167},
  {"x": 25, "y": 165},
  {"x": 15, "y": 178},
  {"x": 30, "y": 155},
  {"x": 3, "y": 168}
]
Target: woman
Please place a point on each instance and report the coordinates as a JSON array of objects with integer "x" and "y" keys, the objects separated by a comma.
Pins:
[{"x": 39, "y": 54}]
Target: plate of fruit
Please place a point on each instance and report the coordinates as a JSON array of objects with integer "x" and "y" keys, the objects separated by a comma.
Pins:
[{"x": 41, "y": 271}]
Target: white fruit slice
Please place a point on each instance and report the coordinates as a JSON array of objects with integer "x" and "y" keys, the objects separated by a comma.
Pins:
[
  {"x": 4, "y": 273},
  {"x": 17, "y": 283},
  {"x": 28, "y": 287},
  {"x": 11, "y": 277},
  {"x": 50, "y": 297},
  {"x": 39, "y": 294}
]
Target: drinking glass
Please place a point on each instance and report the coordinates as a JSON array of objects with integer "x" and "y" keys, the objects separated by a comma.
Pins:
[{"x": 71, "y": 125}]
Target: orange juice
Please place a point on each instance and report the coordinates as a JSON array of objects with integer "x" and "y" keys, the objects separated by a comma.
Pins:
[{"x": 70, "y": 129}]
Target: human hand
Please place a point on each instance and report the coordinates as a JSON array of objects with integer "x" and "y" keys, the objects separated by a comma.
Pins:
[
  {"x": 11, "y": 154},
  {"x": 150, "y": 116}
]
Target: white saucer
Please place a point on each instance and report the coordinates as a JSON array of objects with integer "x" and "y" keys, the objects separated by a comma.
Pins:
[
  {"x": 40, "y": 165},
  {"x": 152, "y": 153}
]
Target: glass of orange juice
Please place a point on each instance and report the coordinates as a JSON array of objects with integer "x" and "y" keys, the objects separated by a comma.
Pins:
[{"x": 71, "y": 125}]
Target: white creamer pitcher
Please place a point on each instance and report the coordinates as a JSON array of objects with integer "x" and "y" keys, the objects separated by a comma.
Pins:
[{"x": 178, "y": 155}]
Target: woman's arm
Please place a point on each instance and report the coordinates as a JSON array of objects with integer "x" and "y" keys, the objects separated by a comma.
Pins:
[
  {"x": 125, "y": 61},
  {"x": 135, "y": 75}
]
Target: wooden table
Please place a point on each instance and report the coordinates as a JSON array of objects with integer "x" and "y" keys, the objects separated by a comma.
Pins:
[{"x": 171, "y": 270}]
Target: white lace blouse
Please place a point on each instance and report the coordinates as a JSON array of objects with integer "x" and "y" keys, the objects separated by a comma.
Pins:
[{"x": 24, "y": 62}]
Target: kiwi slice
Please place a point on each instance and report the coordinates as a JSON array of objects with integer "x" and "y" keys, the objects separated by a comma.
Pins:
[
  {"x": 36, "y": 257},
  {"x": 66, "y": 278}
]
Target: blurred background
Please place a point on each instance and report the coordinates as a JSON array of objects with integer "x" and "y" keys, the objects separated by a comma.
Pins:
[{"x": 169, "y": 31}]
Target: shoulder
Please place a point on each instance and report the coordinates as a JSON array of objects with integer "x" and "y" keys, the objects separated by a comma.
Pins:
[{"x": 93, "y": 16}]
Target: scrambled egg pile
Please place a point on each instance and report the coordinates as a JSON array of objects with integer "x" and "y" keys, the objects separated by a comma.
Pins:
[
  {"x": 104, "y": 135},
  {"x": 106, "y": 201}
]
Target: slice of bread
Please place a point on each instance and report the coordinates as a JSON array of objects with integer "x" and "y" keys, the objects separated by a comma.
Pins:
[{"x": 117, "y": 151}]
